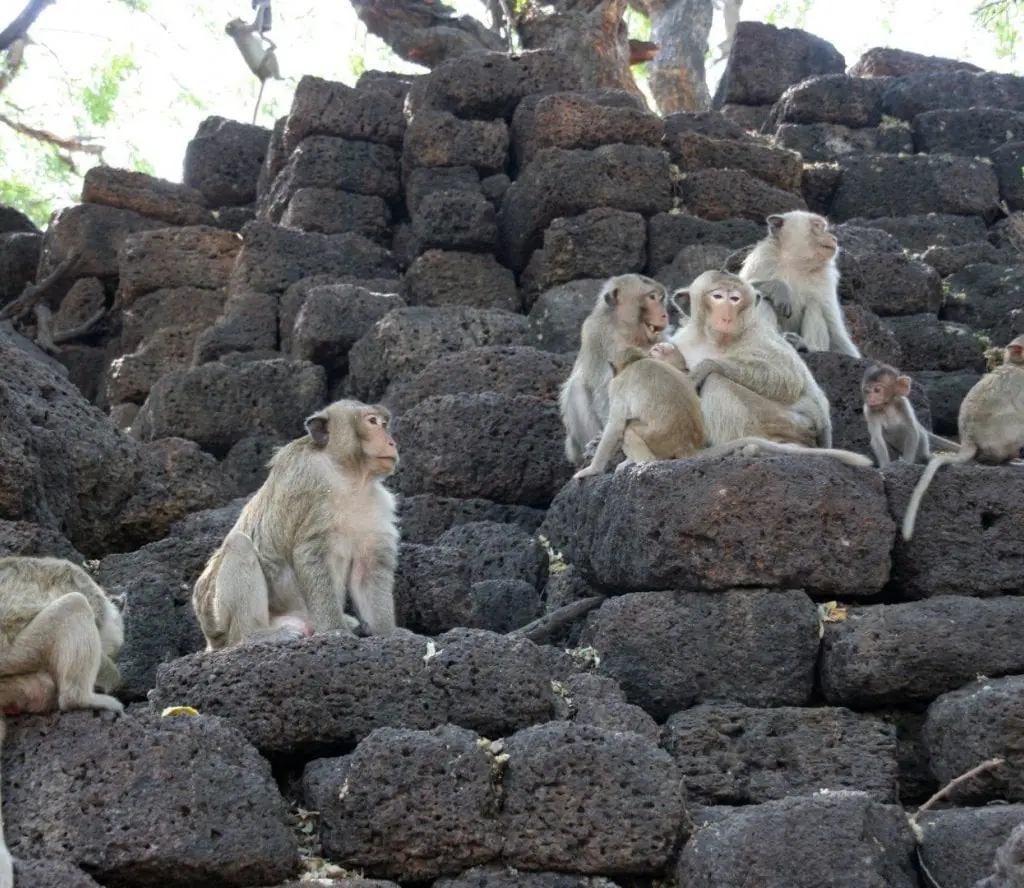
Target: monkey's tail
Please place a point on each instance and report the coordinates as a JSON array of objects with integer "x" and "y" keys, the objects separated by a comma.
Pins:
[
  {"x": 847, "y": 457},
  {"x": 259, "y": 98},
  {"x": 966, "y": 454},
  {"x": 937, "y": 442}
]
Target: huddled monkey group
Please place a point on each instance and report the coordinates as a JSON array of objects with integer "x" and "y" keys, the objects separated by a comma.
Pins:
[{"x": 321, "y": 532}]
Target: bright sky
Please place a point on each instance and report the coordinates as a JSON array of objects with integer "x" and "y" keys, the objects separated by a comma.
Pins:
[{"x": 181, "y": 47}]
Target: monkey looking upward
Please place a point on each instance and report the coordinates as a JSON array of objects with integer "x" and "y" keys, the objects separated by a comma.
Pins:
[
  {"x": 991, "y": 424},
  {"x": 629, "y": 311},
  {"x": 800, "y": 251},
  {"x": 320, "y": 529},
  {"x": 891, "y": 419}
]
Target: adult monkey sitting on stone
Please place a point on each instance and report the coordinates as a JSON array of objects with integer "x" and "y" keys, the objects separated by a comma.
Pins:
[
  {"x": 320, "y": 529},
  {"x": 751, "y": 381},
  {"x": 629, "y": 311}
]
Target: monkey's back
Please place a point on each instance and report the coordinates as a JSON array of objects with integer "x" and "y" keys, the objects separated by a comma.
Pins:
[
  {"x": 665, "y": 408},
  {"x": 992, "y": 413}
]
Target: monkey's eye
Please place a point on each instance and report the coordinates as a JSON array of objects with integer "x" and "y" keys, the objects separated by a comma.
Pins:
[
  {"x": 718, "y": 297},
  {"x": 734, "y": 298}
]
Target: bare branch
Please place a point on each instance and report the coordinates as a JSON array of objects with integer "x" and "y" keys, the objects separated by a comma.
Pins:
[
  {"x": 13, "y": 62},
  {"x": 986, "y": 765},
  {"x": 50, "y": 341},
  {"x": 544, "y": 627},
  {"x": 33, "y": 294},
  {"x": 23, "y": 21},
  {"x": 70, "y": 145}
]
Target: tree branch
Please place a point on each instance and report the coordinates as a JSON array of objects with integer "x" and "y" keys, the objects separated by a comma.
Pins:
[
  {"x": 22, "y": 22},
  {"x": 33, "y": 294},
  {"x": 69, "y": 145},
  {"x": 13, "y": 62},
  {"x": 544, "y": 627}
]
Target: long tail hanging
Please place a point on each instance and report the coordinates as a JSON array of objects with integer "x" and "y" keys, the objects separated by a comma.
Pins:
[{"x": 259, "y": 98}]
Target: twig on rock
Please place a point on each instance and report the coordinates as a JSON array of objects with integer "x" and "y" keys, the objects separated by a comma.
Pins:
[
  {"x": 544, "y": 627},
  {"x": 986, "y": 765},
  {"x": 34, "y": 294}
]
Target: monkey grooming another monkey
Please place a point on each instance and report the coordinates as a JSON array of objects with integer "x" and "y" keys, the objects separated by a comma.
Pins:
[
  {"x": 262, "y": 60},
  {"x": 801, "y": 252},
  {"x": 991, "y": 425},
  {"x": 750, "y": 380},
  {"x": 629, "y": 311},
  {"x": 891, "y": 419},
  {"x": 653, "y": 412},
  {"x": 320, "y": 529},
  {"x": 59, "y": 635}
]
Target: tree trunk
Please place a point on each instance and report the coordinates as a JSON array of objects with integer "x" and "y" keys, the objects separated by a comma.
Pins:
[
  {"x": 676, "y": 74},
  {"x": 590, "y": 31}
]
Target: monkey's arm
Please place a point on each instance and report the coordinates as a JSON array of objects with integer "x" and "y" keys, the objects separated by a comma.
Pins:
[
  {"x": 611, "y": 439},
  {"x": 814, "y": 328},
  {"x": 372, "y": 588},
  {"x": 760, "y": 376},
  {"x": 777, "y": 295},
  {"x": 878, "y": 445},
  {"x": 839, "y": 339}
]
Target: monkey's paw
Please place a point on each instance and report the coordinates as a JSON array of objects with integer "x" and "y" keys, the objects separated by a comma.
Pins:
[{"x": 584, "y": 473}]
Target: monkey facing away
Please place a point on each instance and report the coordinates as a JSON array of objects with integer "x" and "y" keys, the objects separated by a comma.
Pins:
[
  {"x": 59, "y": 636},
  {"x": 751, "y": 381},
  {"x": 891, "y": 419},
  {"x": 991, "y": 425},
  {"x": 653, "y": 412},
  {"x": 800, "y": 251},
  {"x": 322, "y": 528},
  {"x": 262, "y": 60},
  {"x": 629, "y": 311}
]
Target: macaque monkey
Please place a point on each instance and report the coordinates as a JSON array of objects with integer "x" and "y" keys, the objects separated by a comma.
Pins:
[
  {"x": 800, "y": 252},
  {"x": 59, "y": 635},
  {"x": 6, "y": 864},
  {"x": 320, "y": 529},
  {"x": 653, "y": 412},
  {"x": 891, "y": 419},
  {"x": 991, "y": 425},
  {"x": 630, "y": 311},
  {"x": 751, "y": 381},
  {"x": 262, "y": 60}
]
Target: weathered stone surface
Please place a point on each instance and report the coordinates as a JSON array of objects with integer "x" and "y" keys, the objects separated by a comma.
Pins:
[
  {"x": 737, "y": 755},
  {"x": 223, "y": 161},
  {"x": 272, "y": 258},
  {"x": 332, "y": 319},
  {"x": 872, "y": 335},
  {"x": 198, "y": 256},
  {"x": 95, "y": 234},
  {"x": 900, "y": 654},
  {"x": 980, "y": 721},
  {"x": 819, "y": 185},
  {"x": 330, "y": 211},
  {"x": 885, "y": 61},
  {"x": 668, "y": 233},
  {"x": 672, "y": 650},
  {"x": 456, "y": 220},
  {"x": 508, "y": 877},
  {"x": 25, "y": 538},
  {"x": 426, "y": 516},
  {"x": 690, "y": 262},
  {"x": 609, "y": 802},
  {"x": 217, "y": 405},
  {"x": 713, "y": 124},
  {"x": 558, "y": 315},
  {"x": 832, "y": 141},
  {"x": 176, "y": 801},
  {"x": 456, "y": 278},
  {"x": 589, "y": 699},
  {"x": 575, "y": 120},
  {"x": 169, "y": 202},
  {"x": 815, "y": 524},
  {"x": 730, "y": 194},
  {"x": 891, "y": 284},
  {"x": 792, "y": 842},
  {"x": 958, "y": 845},
  {"x": 498, "y": 462},
  {"x": 506, "y": 369},
  {"x": 882, "y": 184},
  {"x": 832, "y": 98},
  {"x": 438, "y": 138},
  {"x": 596, "y": 244},
  {"x": 365, "y": 800},
  {"x": 927, "y": 343},
  {"x": 969, "y": 534},
  {"x": 329, "y": 162},
  {"x": 921, "y": 231},
  {"x": 775, "y": 166},
  {"x": 164, "y": 309},
  {"x": 274, "y": 161},
  {"x": 502, "y": 605},
  {"x": 906, "y": 97},
  {"x": 86, "y": 297},
  {"x": 426, "y": 180},
  {"x": 13, "y": 220},
  {"x": 19, "y": 258},
  {"x": 496, "y": 551},
  {"x": 987, "y": 298},
  {"x": 949, "y": 260},
  {"x": 487, "y": 683},
  {"x": 327, "y": 108},
  {"x": 406, "y": 340},
  {"x": 51, "y": 874},
  {"x": 488, "y": 85},
  {"x": 433, "y": 589},
  {"x": 249, "y": 324},
  {"x": 945, "y": 393},
  {"x": 973, "y": 132},
  {"x": 1008, "y": 160},
  {"x": 558, "y": 182},
  {"x": 765, "y": 60}
]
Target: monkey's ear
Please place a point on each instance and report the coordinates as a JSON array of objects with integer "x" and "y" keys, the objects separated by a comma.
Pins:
[
  {"x": 902, "y": 385},
  {"x": 611, "y": 296},
  {"x": 775, "y": 223},
  {"x": 316, "y": 426}
]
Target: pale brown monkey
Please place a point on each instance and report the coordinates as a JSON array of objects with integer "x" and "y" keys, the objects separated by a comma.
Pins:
[
  {"x": 800, "y": 251},
  {"x": 653, "y": 410},
  {"x": 320, "y": 529},
  {"x": 629, "y": 311},
  {"x": 991, "y": 424},
  {"x": 59, "y": 635},
  {"x": 6, "y": 864},
  {"x": 891, "y": 419},
  {"x": 262, "y": 60},
  {"x": 751, "y": 381}
]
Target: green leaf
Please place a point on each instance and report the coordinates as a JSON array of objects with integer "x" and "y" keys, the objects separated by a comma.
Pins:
[
  {"x": 99, "y": 99},
  {"x": 26, "y": 198}
]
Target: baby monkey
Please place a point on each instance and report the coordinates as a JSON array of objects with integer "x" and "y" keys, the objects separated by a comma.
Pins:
[
  {"x": 891, "y": 419},
  {"x": 653, "y": 409}
]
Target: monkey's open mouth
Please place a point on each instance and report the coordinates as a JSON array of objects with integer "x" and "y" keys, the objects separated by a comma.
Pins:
[{"x": 654, "y": 329}]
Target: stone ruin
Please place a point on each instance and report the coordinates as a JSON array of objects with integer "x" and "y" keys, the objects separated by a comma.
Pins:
[{"x": 434, "y": 242}]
